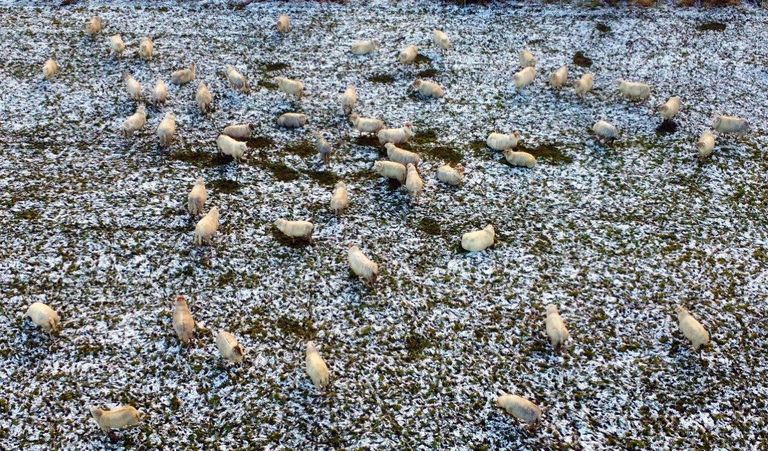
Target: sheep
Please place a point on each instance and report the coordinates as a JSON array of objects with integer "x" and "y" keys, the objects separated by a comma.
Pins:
[
  {"x": 396, "y": 135},
  {"x": 291, "y": 87},
  {"x": 167, "y": 129},
  {"x": 323, "y": 147},
  {"x": 183, "y": 323},
  {"x": 292, "y": 120},
  {"x": 242, "y": 131},
  {"x": 204, "y": 98},
  {"x": 184, "y": 76},
  {"x": 116, "y": 418},
  {"x": 363, "y": 47},
  {"x": 44, "y": 316},
  {"x": 295, "y": 229},
  {"x": 366, "y": 124},
  {"x": 408, "y": 54},
  {"x": 135, "y": 121},
  {"x": 116, "y": 45},
  {"x": 206, "y": 227},
  {"x": 233, "y": 148},
  {"x": 94, "y": 26},
  {"x": 691, "y": 328},
  {"x": 731, "y": 125},
  {"x": 556, "y": 330},
  {"x": 520, "y": 408},
  {"x": 403, "y": 156},
  {"x": 146, "y": 48},
  {"x": 391, "y": 170},
  {"x": 706, "y": 144},
  {"x": 348, "y": 100},
  {"x": 441, "y": 40},
  {"x": 362, "y": 266},
  {"x": 584, "y": 84},
  {"x": 236, "y": 79},
  {"x": 197, "y": 197},
  {"x": 413, "y": 182},
  {"x": 605, "y": 131},
  {"x": 478, "y": 240},
  {"x": 316, "y": 368},
  {"x": 634, "y": 90},
  {"x": 283, "y": 24},
  {"x": 160, "y": 92},
  {"x": 502, "y": 141},
  {"x": 50, "y": 68},
  {"x": 451, "y": 176},
  {"x": 559, "y": 78},
  {"x": 428, "y": 88},
  {"x": 523, "y": 159},
  {"x": 670, "y": 108},
  {"x": 527, "y": 59},
  {"x": 525, "y": 77},
  {"x": 339, "y": 197},
  {"x": 229, "y": 348},
  {"x": 132, "y": 86}
]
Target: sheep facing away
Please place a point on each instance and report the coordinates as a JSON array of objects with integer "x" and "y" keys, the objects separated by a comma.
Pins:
[
  {"x": 559, "y": 78},
  {"x": 362, "y": 266},
  {"x": 44, "y": 317},
  {"x": 204, "y": 98},
  {"x": 706, "y": 144},
  {"x": 159, "y": 92},
  {"x": 167, "y": 129},
  {"x": 478, "y": 240},
  {"x": 207, "y": 226},
  {"x": 197, "y": 197},
  {"x": 339, "y": 197},
  {"x": 233, "y": 148},
  {"x": 556, "y": 330},
  {"x": 295, "y": 229},
  {"x": 94, "y": 26},
  {"x": 520, "y": 408},
  {"x": 283, "y": 24},
  {"x": 441, "y": 40},
  {"x": 146, "y": 48},
  {"x": 396, "y": 135},
  {"x": 116, "y": 45},
  {"x": 183, "y": 323},
  {"x": 413, "y": 182},
  {"x": 348, "y": 100},
  {"x": 316, "y": 368},
  {"x": 50, "y": 69},
  {"x": 132, "y": 86},
  {"x": 691, "y": 328}
]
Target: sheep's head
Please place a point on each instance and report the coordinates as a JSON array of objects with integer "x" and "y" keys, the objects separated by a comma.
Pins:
[
  {"x": 96, "y": 412},
  {"x": 181, "y": 299},
  {"x": 311, "y": 347},
  {"x": 681, "y": 311},
  {"x": 551, "y": 308}
]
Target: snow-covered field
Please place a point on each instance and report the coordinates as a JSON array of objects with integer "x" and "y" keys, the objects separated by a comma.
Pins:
[{"x": 94, "y": 225}]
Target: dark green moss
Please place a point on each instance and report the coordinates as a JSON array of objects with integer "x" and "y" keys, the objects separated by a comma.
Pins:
[
  {"x": 29, "y": 215},
  {"x": 428, "y": 73},
  {"x": 201, "y": 159},
  {"x": 271, "y": 67},
  {"x": 711, "y": 26},
  {"x": 552, "y": 153},
  {"x": 581, "y": 60},
  {"x": 227, "y": 278},
  {"x": 280, "y": 171},
  {"x": 415, "y": 345},
  {"x": 266, "y": 84},
  {"x": 225, "y": 186},
  {"x": 302, "y": 148},
  {"x": 259, "y": 142},
  {"x": 302, "y": 329},
  {"x": 381, "y": 78},
  {"x": 325, "y": 178},
  {"x": 429, "y": 226},
  {"x": 367, "y": 140},
  {"x": 422, "y": 59},
  {"x": 667, "y": 126},
  {"x": 425, "y": 137},
  {"x": 603, "y": 28},
  {"x": 442, "y": 153}
]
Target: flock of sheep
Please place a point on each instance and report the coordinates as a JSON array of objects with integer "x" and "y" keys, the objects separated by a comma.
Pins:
[{"x": 402, "y": 165}]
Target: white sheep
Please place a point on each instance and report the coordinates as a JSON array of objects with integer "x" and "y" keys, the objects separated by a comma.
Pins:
[
  {"x": 323, "y": 147},
  {"x": 691, "y": 328},
  {"x": 413, "y": 182},
  {"x": 427, "y": 88},
  {"x": 237, "y": 81},
  {"x": 502, "y": 141},
  {"x": 339, "y": 197},
  {"x": 160, "y": 92},
  {"x": 362, "y": 266},
  {"x": 184, "y": 76},
  {"x": 559, "y": 78},
  {"x": 520, "y": 408},
  {"x": 706, "y": 144},
  {"x": 449, "y": 175},
  {"x": 522, "y": 159},
  {"x": 391, "y": 170},
  {"x": 403, "y": 156},
  {"x": 233, "y": 148},
  {"x": 292, "y": 120},
  {"x": 731, "y": 125},
  {"x": 229, "y": 348},
  {"x": 408, "y": 54},
  {"x": 605, "y": 130},
  {"x": 396, "y": 135},
  {"x": 527, "y": 59},
  {"x": 556, "y": 330},
  {"x": 295, "y": 229},
  {"x": 116, "y": 45},
  {"x": 348, "y": 100},
  {"x": 242, "y": 131},
  {"x": 197, "y": 197},
  {"x": 525, "y": 77},
  {"x": 146, "y": 48},
  {"x": 670, "y": 108},
  {"x": 441, "y": 40},
  {"x": 283, "y": 24},
  {"x": 94, "y": 26},
  {"x": 366, "y": 124},
  {"x": 291, "y": 87},
  {"x": 584, "y": 84},
  {"x": 50, "y": 68},
  {"x": 316, "y": 368},
  {"x": 478, "y": 240},
  {"x": 43, "y": 316},
  {"x": 135, "y": 121},
  {"x": 363, "y": 47},
  {"x": 206, "y": 227},
  {"x": 132, "y": 86},
  {"x": 167, "y": 129},
  {"x": 203, "y": 97},
  {"x": 116, "y": 418},
  {"x": 183, "y": 323},
  {"x": 634, "y": 90}
]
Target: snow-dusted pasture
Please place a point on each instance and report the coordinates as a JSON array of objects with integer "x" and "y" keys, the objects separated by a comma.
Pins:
[{"x": 94, "y": 225}]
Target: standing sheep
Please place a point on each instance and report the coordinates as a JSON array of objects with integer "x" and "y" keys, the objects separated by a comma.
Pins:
[
  {"x": 94, "y": 26},
  {"x": 520, "y": 408},
  {"x": 184, "y": 76},
  {"x": 316, "y": 368},
  {"x": 197, "y": 197},
  {"x": 242, "y": 131},
  {"x": 670, "y": 108},
  {"x": 233, "y": 148},
  {"x": 167, "y": 129},
  {"x": 605, "y": 131},
  {"x": 451, "y": 176},
  {"x": 584, "y": 84},
  {"x": 146, "y": 48},
  {"x": 366, "y": 124},
  {"x": 523, "y": 159},
  {"x": 135, "y": 121},
  {"x": 691, "y": 328},
  {"x": 339, "y": 197},
  {"x": 527, "y": 59},
  {"x": 478, "y": 240},
  {"x": 283, "y": 24},
  {"x": 390, "y": 169},
  {"x": 50, "y": 68},
  {"x": 291, "y": 87},
  {"x": 408, "y": 54},
  {"x": 117, "y": 418},
  {"x": 403, "y": 156},
  {"x": 295, "y": 229},
  {"x": 292, "y": 120},
  {"x": 159, "y": 92},
  {"x": 706, "y": 144},
  {"x": 348, "y": 100},
  {"x": 229, "y": 348},
  {"x": 556, "y": 330},
  {"x": 43, "y": 316},
  {"x": 501, "y": 141},
  {"x": 237, "y": 81},
  {"x": 731, "y": 125},
  {"x": 428, "y": 88},
  {"x": 204, "y": 98},
  {"x": 132, "y": 86},
  {"x": 116, "y": 45},
  {"x": 413, "y": 182},
  {"x": 183, "y": 323},
  {"x": 323, "y": 147},
  {"x": 396, "y": 135},
  {"x": 363, "y": 47},
  {"x": 362, "y": 266},
  {"x": 206, "y": 228},
  {"x": 524, "y": 77},
  {"x": 441, "y": 40},
  {"x": 559, "y": 78},
  {"x": 634, "y": 90}
]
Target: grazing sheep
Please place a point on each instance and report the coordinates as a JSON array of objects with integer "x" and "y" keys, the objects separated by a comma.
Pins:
[
  {"x": 428, "y": 88},
  {"x": 441, "y": 40},
  {"x": 316, "y": 368},
  {"x": 363, "y": 47},
  {"x": 292, "y": 120},
  {"x": 146, "y": 48},
  {"x": 556, "y": 330},
  {"x": 605, "y": 131},
  {"x": 413, "y": 182},
  {"x": 525, "y": 77},
  {"x": 242, "y": 131},
  {"x": 236, "y": 79},
  {"x": 197, "y": 197},
  {"x": 408, "y": 54},
  {"x": 117, "y": 45},
  {"x": 451, "y": 176},
  {"x": 167, "y": 129},
  {"x": 229, "y": 348},
  {"x": 135, "y": 121},
  {"x": 183, "y": 323},
  {"x": 391, "y": 170},
  {"x": 527, "y": 59},
  {"x": 584, "y": 84},
  {"x": 634, "y": 90},
  {"x": 706, "y": 144},
  {"x": 117, "y": 418},
  {"x": 396, "y": 135},
  {"x": 44, "y": 316},
  {"x": 184, "y": 76},
  {"x": 501, "y": 141},
  {"x": 94, "y": 26},
  {"x": 339, "y": 198},
  {"x": 478, "y": 240},
  {"x": 691, "y": 328},
  {"x": 323, "y": 147},
  {"x": 295, "y": 229},
  {"x": 233, "y": 148},
  {"x": 520, "y": 408},
  {"x": 50, "y": 68},
  {"x": 204, "y": 98},
  {"x": 523, "y": 159},
  {"x": 362, "y": 266},
  {"x": 291, "y": 87},
  {"x": 206, "y": 227},
  {"x": 132, "y": 86},
  {"x": 670, "y": 108},
  {"x": 399, "y": 155},
  {"x": 348, "y": 100},
  {"x": 366, "y": 124},
  {"x": 283, "y": 24},
  {"x": 731, "y": 125},
  {"x": 559, "y": 78},
  {"x": 160, "y": 92}
]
